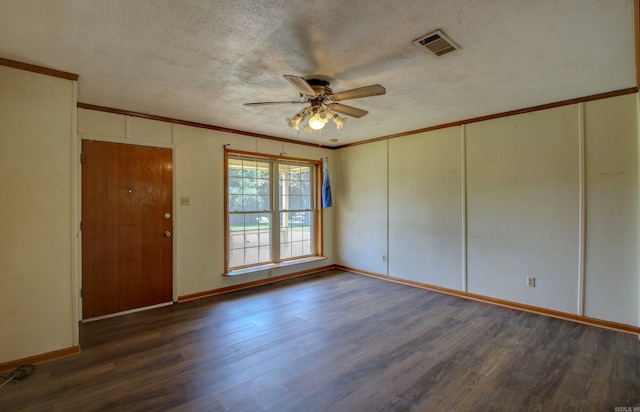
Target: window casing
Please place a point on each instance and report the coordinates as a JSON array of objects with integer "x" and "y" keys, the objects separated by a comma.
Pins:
[{"x": 272, "y": 210}]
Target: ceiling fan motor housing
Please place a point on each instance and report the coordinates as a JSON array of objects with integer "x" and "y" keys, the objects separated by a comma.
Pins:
[{"x": 321, "y": 87}]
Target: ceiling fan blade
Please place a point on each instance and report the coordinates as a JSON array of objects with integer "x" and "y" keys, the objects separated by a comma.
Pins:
[
  {"x": 373, "y": 90},
  {"x": 347, "y": 110},
  {"x": 301, "y": 84},
  {"x": 268, "y": 103}
]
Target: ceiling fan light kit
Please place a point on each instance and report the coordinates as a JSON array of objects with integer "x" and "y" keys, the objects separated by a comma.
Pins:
[
  {"x": 322, "y": 103},
  {"x": 320, "y": 116},
  {"x": 317, "y": 122}
]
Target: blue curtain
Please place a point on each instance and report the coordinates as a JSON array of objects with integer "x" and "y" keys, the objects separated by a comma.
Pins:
[{"x": 326, "y": 185}]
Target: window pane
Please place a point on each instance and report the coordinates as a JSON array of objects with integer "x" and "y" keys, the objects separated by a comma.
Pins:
[
  {"x": 306, "y": 233},
  {"x": 250, "y": 203},
  {"x": 295, "y": 218},
  {"x": 251, "y": 255},
  {"x": 306, "y": 188},
  {"x": 235, "y": 203},
  {"x": 235, "y": 185},
  {"x": 250, "y": 221},
  {"x": 285, "y": 250},
  {"x": 263, "y": 170},
  {"x": 263, "y": 186},
  {"x": 236, "y": 240},
  {"x": 235, "y": 167},
  {"x": 250, "y": 169},
  {"x": 296, "y": 238},
  {"x": 264, "y": 253},
  {"x": 263, "y": 203},
  {"x": 294, "y": 187},
  {"x": 306, "y": 247},
  {"x": 249, "y": 239},
  {"x": 236, "y": 257},
  {"x": 252, "y": 242},
  {"x": 236, "y": 222}
]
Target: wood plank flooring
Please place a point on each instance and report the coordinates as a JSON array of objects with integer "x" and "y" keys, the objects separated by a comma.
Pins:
[{"x": 336, "y": 342}]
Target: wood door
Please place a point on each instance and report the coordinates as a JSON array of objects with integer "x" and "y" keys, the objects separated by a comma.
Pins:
[{"x": 126, "y": 227}]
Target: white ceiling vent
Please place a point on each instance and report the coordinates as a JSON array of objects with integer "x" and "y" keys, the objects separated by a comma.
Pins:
[{"x": 437, "y": 43}]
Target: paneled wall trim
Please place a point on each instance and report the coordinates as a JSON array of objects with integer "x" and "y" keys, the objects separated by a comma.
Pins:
[{"x": 548, "y": 195}]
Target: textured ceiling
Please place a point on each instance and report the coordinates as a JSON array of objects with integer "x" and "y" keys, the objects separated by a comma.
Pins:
[{"x": 200, "y": 60}]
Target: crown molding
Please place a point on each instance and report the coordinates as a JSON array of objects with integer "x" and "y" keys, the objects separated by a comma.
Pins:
[
  {"x": 38, "y": 69},
  {"x": 599, "y": 96}
]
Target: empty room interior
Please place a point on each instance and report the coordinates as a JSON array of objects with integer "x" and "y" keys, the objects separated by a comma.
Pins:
[{"x": 279, "y": 205}]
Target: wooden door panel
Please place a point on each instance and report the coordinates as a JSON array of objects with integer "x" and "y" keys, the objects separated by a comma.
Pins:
[{"x": 126, "y": 259}]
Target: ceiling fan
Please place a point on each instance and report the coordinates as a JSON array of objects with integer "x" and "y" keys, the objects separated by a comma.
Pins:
[{"x": 323, "y": 102}]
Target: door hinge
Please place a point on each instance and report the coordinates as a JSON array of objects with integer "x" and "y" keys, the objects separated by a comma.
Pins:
[
  {"x": 80, "y": 292},
  {"x": 81, "y": 225}
]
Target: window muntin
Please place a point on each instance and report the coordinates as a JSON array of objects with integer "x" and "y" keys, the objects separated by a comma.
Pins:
[{"x": 272, "y": 210}]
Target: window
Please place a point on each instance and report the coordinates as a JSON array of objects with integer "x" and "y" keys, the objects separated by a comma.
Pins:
[{"x": 272, "y": 210}]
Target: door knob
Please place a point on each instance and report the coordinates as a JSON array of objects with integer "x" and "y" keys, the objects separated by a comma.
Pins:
[{"x": 167, "y": 234}]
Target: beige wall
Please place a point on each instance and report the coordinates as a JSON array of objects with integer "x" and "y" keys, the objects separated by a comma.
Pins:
[
  {"x": 425, "y": 208},
  {"x": 523, "y": 208},
  {"x": 199, "y": 175},
  {"x": 37, "y": 263},
  {"x": 360, "y": 184},
  {"x": 551, "y": 194}
]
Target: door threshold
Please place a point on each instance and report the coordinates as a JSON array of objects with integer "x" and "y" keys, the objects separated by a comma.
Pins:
[{"x": 126, "y": 312}]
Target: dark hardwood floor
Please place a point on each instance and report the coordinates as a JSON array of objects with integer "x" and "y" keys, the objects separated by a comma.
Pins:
[{"x": 336, "y": 342}]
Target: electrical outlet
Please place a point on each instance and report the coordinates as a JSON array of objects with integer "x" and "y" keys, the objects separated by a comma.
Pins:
[
  {"x": 531, "y": 281},
  {"x": 185, "y": 201},
  {"x": 384, "y": 258}
]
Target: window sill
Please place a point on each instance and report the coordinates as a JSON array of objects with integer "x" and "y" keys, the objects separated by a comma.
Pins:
[{"x": 254, "y": 269}]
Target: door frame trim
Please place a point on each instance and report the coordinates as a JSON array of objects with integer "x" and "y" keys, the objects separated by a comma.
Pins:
[{"x": 78, "y": 218}]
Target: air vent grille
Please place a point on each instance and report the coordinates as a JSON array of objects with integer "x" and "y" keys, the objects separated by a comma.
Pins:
[{"x": 436, "y": 42}]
